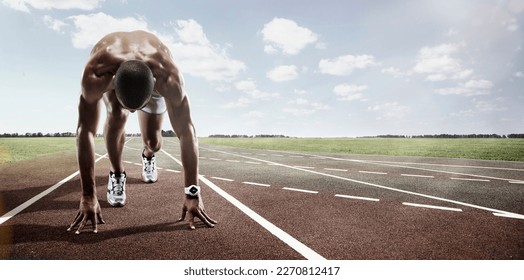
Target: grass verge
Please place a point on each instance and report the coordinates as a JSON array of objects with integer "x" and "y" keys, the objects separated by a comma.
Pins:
[
  {"x": 17, "y": 149},
  {"x": 486, "y": 149}
]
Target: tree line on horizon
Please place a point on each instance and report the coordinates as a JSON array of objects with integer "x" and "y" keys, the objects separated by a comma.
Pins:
[
  {"x": 452, "y": 136},
  {"x": 170, "y": 133}
]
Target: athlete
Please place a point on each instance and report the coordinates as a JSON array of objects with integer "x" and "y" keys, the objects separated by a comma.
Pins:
[{"x": 133, "y": 72}]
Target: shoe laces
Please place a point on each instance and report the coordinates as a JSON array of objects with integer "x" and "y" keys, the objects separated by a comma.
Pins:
[
  {"x": 149, "y": 166},
  {"x": 117, "y": 186}
]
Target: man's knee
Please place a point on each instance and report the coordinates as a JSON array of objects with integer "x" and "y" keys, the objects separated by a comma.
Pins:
[
  {"x": 117, "y": 116},
  {"x": 154, "y": 144}
]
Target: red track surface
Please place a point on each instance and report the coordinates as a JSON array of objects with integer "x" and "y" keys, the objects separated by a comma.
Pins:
[{"x": 386, "y": 227}]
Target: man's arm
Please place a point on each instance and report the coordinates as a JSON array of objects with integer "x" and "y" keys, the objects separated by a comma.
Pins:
[
  {"x": 180, "y": 117},
  {"x": 183, "y": 126},
  {"x": 88, "y": 117}
]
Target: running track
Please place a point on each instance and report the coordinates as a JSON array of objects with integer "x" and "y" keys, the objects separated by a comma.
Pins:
[{"x": 272, "y": 205}]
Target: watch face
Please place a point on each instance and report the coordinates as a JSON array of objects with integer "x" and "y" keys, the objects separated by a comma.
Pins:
[{"x": 193, "y": 190}]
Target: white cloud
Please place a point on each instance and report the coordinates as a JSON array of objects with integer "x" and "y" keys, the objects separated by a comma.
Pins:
[
  {"x": 91, "y": 28},
  {"x": 511, "y": 24},
  {"x": 350, "y": 92},
  {"x": 190, "y": 32},
  {"x": 287, "y": 36},
  {"x": 470, "y": 88},
  {"x": 198, "y": 56},
  {"x": 241, "y": 102},
  {"x": 254, "y": 115},
  {"x": 191, "y": 49},
  {"x": 395, "y": 72},
  {"x": 439, "y": 63},
  {"x": 23, "y": 5},
  {"x": 518, "y": 74},
  {"x": 344, "y": 65},
  {"x": 390, "y": 111},
  {"x": 250, "y": 88},
  {"x": 463, "y": 113},
  {"x": 283, "y": 73},
  {"x": 54, "y": 24},
  {"x": 305, "y": 107},
  {"x": 485, "y": 106}
]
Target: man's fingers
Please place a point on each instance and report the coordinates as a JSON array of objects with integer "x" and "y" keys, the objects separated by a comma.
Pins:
[
  {"x": 183, "y": 216},
  {"x": 82, "y": 225},
  {"x": 204, "y": 219},
  {"x": 75, "y": 222},
  {"x": 100, "y": 218},
  {"x": 204, "y": 213},
  {"x": 94, "y": 224},
  {"x": 191, "y": 221}
]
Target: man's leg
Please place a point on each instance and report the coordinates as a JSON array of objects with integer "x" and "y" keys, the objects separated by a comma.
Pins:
[
  {"x": 114, "y": 136},
  {"x": 150, "y": 127},
  {"x": 114, "y": 132}
]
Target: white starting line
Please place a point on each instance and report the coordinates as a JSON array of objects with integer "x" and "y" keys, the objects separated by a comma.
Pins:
[
  {"x": 432, "y": 206},
  {"x": 470, "y": 179},
  {"x": 357, "y": 197},
  {"x": 256, "y": 184},
  {"x": 416, "y": 175},
  {"x": 299, "y": 190}
]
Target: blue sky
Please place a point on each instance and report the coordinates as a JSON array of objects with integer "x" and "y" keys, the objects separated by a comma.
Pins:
[{"x": 299, "y": 68}]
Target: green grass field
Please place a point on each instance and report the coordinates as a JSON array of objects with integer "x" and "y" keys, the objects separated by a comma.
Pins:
[
  {"x": 17, "y": 149},
  {"x": 488, "y": 149}
]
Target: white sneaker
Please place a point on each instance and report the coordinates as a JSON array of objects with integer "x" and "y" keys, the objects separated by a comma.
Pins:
[
  {"x": 149, "y": 171},
  {"x": 116, "y": 190}
]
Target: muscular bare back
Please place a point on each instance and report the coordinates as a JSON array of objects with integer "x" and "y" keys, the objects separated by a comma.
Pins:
[{"x": 115, "y": 48}]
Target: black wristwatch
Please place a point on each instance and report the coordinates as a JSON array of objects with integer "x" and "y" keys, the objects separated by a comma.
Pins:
[{"x": 192, "y": 190}]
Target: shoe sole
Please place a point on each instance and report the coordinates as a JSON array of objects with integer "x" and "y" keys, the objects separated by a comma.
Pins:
[
  {"x": 117, "y": 205},
  {"x": 148, "y": 181}
]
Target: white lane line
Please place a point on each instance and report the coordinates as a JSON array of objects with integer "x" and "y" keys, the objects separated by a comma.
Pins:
[
  {"x": 400, "y": 165},
  {"x": 37, "y": 197},
  {"x": 127, "y": 161},
  {"x": 416, "y": 175},
  {"x": 504, "y": 215},
  {"x": 202, "y": 157},
  {"x": 336, "y": 169},
  {"x": 448, "y": 165},
  {"x": 174, "y": 171},
  {"x": 299, "y": 190},
  {"x": 516, "y": 182},
  {"x": 232, "y": 160},
  {"x": 357, "y": 197},
  {"x": 427, "y": 169},
  {"x": 296, "y": 156},
  {"x": 278, "y": 155},
  {"x": 223, "y": 179},
  {"x": 432, "y": 206},
  {"x": 305, "y": 167},
  {"x": 373, "y": 172},
  {"x": 137, "y": 164},
  {"x": 379, "y": 186},
  {"x": 251, "y": 162},
  {"x": 214, "y": 159},
  {"x": 298, "y": 246},
  {"x": 256, "y": 184},
  {"x": 469, "y": 179}
]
